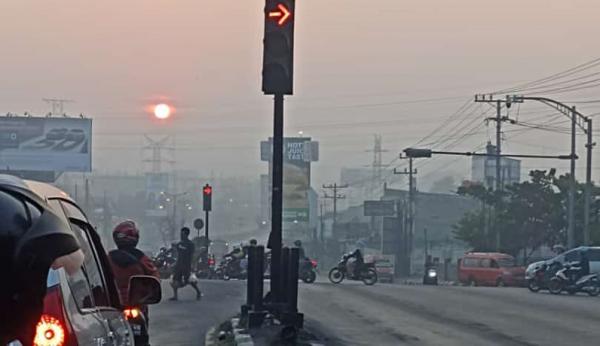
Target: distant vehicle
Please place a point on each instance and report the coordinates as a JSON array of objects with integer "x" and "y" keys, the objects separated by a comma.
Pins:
[
  {"x": 490, "y": 269},
  {"x": 573, "y": 255},
  {"x": 430, "y": 277},
  {"x": 218, "y": 248},
  {"x": 366, "y": 273},
  {"x": 82, "y": 308},
  {"x": 308, "y": 270},
  {"x": 385, "y": 270},
  {"x": 76, "y": 135}
]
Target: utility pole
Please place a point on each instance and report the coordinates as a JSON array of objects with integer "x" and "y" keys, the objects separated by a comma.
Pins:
[
  {"x": 572, "y": 182},
  {"x": 335, "y": 196},
  {"x": 588, "y": 183},
  {"x": 408, "y": 237},
  {"x": 498, "y": 184},
  {"x": 322, "y": 224}
]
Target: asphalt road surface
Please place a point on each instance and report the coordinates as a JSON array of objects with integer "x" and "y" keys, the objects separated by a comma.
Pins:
[
  {"x": 354, "y": 314},
  {"x": 186, "y": 321}
]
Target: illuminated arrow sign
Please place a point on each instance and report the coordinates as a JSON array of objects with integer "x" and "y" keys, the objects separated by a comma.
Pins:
[{"x": 282, "y": 13}]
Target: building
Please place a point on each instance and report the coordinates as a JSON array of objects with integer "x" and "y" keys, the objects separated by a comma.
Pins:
[{"x": 483, "y": 169}]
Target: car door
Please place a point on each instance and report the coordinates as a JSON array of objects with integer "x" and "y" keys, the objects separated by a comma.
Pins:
[
  {"x": 106, "y": 300},
  {"x": 594, "y": 257}
]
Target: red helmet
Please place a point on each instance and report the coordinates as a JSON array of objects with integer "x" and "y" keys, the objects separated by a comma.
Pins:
[{"x": 126, "y": 234}]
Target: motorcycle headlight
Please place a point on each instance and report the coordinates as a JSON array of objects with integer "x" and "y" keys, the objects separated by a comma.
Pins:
[{"x": 431, "y": 273}]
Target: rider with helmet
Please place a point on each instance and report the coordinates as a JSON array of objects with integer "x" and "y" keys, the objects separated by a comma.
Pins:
[
  {"x": 28, "y": 225},
  {"x": 127, "y": 260},
  {"x": 358, "y": 262}
]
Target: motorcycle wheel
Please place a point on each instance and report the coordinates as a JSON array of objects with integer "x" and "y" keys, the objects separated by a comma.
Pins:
[
  {"x": 555, "y": 286},
  {"x": 336, "y": 275},
  {"x": 310, "y": 277},
  {"x": 370, "y": 277},
  {"x": 533, "y": 285},
  {"x": 594, "y": 289}
]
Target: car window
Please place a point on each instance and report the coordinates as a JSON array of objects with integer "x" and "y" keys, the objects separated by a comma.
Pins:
[
  {"x": 73, "y": 212},
  {"x": 80, "y": 289},
  {"x": 572, "y": 256},
  {"x": 470, "y": 262},
  {"x": 594, "y": 255},
  {"x": 485, "y": 263},
  {"x": 506, "y": 262},
  {"x": 91, "y": 268}
]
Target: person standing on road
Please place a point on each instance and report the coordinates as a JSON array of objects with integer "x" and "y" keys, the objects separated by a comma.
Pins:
[{"x": 183, "y": 266}]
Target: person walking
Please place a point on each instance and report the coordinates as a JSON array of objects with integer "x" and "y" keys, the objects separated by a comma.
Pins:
[{"x": 183, "y": 266}]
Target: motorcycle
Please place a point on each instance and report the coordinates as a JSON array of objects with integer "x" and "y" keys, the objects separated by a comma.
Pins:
[
  {"x": 430, "y": 277},
  {"x": 564, "y": 280},
  {"x": 164, "y": 261},
  {"x": 308, "y": 270},
  {"x": 206, "y": 270},
  {"x": 366, "y": 273},
  {"x": 231, "y": 268},
  {"x": 137, "y": 319}
]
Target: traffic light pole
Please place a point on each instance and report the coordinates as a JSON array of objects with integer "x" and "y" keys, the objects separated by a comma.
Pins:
[
  {"x": 206, "y": 230},
  {"x": 275, "y": 239}
]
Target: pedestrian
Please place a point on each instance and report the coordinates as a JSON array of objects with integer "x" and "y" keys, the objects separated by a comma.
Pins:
[{"x": 183, "y": 266}]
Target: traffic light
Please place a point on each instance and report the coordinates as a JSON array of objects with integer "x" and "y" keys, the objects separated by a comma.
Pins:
[
  {"x": 207, "y": 198},
  {"x": 417, "y": 153},
  {"x": 278, "y": 53}
]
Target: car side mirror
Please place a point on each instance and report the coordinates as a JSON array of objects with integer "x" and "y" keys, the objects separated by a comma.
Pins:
[{"x": 144, "y": 290}]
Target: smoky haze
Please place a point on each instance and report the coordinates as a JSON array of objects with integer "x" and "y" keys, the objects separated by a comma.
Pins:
[{"x": 362, "y": 67}]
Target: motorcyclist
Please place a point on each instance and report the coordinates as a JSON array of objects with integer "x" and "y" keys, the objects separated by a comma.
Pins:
[
  {"x": 183, "y": 266},
  {"x": 301, "y": 252},
  {"x": 28, "y": 226},
  {"x": 358, "y": 261},
  {"x": 127, "y": 260}
]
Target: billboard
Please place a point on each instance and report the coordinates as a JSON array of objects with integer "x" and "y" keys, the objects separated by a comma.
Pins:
[
  {"x": 46, "y": 144},
  {"x": 156, "y": 185},
  {"x": 380, "y": 208},
  {"x": 296, "y": 179}
]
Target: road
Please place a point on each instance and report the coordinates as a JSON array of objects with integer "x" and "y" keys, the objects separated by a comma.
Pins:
[
  {"x": 186, "y": 321},
  {"x": 354, "y": 314}
]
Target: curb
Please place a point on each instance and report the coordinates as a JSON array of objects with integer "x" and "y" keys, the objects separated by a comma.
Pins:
[
  {"x": 241, "y": 337},
  {"x": 208, "y": 337},
  {"x": 420, "y": 283}
]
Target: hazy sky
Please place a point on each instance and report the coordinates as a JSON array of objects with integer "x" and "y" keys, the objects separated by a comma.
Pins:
[{"x": 357, "y": 61}]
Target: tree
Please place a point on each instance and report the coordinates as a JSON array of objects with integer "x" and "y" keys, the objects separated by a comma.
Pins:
[{"x": 525, "y": 215}]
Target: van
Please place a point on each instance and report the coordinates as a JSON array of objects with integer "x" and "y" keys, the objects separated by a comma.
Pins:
[{"x": 490, "y": 269}]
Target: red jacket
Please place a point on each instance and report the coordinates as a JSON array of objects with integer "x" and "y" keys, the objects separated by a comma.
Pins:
[{"x": 127, "y": 263}]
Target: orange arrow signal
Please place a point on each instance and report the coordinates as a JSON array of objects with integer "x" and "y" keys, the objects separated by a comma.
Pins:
[{"x": 283, "y": 14}]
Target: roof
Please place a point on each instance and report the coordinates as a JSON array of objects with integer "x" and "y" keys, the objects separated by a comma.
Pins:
[
  {"x": 43, "y": 190},
  {"x": 487, "y": 254}
]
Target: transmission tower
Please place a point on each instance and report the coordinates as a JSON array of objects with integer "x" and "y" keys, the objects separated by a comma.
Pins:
[
  {"x": 157, "y": 148},
  {"x": 58, "y": 105},
  {"x": 377, "y": 166}
]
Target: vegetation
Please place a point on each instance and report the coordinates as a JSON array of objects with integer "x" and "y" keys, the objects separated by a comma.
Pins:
[{"x": 525, "y": 216}]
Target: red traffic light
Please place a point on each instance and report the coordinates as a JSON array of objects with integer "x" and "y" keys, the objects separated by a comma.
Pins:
[
  {"x": 207, "y": 190},
  {"x": 282, "y": 13}
]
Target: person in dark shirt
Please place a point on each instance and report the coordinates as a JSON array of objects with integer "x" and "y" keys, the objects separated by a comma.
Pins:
[{"x": 183, "y": 266}]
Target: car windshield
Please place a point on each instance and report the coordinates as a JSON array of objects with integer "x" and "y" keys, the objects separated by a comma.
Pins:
[{"x": 506, "y": 262}]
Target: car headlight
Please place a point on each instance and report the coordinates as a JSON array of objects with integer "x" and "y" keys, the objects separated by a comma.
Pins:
[
  {"x": 506, "y": 273},
  {"x": 431, "y": 273}
]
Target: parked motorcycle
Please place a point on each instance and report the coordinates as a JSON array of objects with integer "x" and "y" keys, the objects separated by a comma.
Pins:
[
  {"x": 564, "y": 280},
  {"x": 206, "y": 270},
  {"x": 231, "y": 268},
  {"x": 308, "y": 270},
  {"x": 137, "y": 319},
  {"x": 164, "y": 261},
  {"x": 366, "y": 273}
]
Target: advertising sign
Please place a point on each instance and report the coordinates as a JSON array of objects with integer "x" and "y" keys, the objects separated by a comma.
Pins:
[
  {"x": 156, "y": 185},
  {"x": 46, "y": 144},
  {"x": 380, "y": 208},
  {"x": 296, "y": 180}
]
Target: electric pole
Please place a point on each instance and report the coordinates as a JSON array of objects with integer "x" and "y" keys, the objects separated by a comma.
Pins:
[
  {"x": 409, "y": 235},
  {"x": 588, "y": 183},
  {"x": 335, "y": 196},
  {"x": 499, "y": 184}
]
